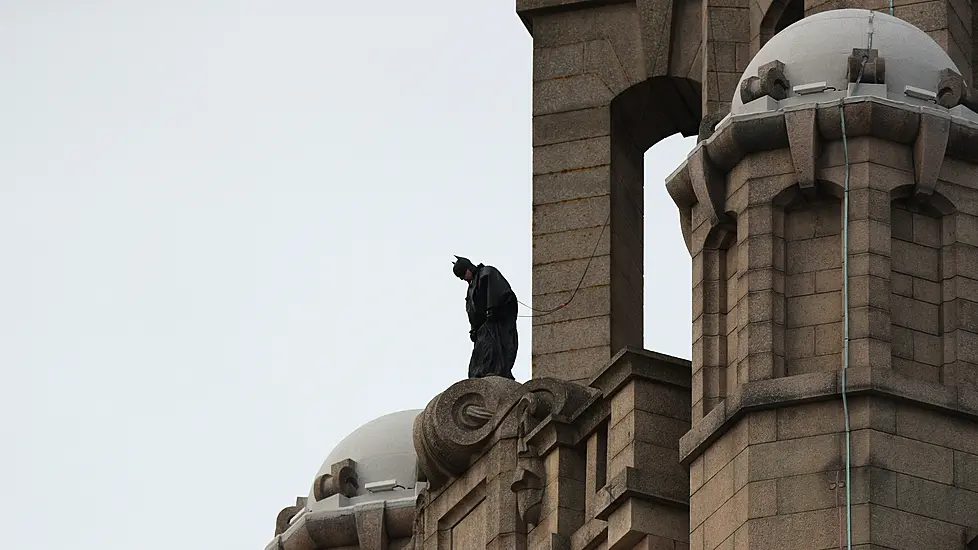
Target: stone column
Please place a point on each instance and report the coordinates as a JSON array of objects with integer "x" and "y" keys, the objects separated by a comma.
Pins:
[{"x": 644, "y": 497}]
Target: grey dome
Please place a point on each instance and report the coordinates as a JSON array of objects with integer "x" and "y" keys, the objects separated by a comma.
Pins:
[
  {"x": 817, "y": 49},
  {"x": 383, "y": 450}
]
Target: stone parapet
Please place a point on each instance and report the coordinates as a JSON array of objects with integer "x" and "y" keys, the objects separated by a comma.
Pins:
[{"x": 557, "y": 465}]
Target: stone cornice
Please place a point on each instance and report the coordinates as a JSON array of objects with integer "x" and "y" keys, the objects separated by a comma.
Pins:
[
  {"x": 526, "y": 9},
  {"x": 362, "y": 525},
  {"x": 823, "y": 386},
  {"x": 933, "y": 133},
  {"x": 633, "y": 362},
  {"x": 635, "y": 483}
]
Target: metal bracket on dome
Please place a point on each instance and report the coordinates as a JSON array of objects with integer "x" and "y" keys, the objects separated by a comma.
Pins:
[
  {"x": 866, "y": 67},
  {"x": 770, "y": 81},
  {"x": 342, "y": 480},
  {"x": 953, "y": 91}
]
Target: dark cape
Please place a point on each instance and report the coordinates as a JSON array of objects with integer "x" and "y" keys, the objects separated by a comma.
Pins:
[{"x": 492, "y": 309}]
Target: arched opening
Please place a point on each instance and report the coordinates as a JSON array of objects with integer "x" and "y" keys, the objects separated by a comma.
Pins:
[
  {"x": 656, "y": 120},
  {"x": 780, "y": 15}
]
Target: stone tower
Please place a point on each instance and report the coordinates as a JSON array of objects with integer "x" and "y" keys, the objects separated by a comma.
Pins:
[
  {"x": 610, "y": 80},
  {"x": 835, "y": 210},
  {"x": 830, "y": 208}
]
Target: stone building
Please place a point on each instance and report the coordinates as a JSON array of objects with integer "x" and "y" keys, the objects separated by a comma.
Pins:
[{"x": 830, "y": 208}]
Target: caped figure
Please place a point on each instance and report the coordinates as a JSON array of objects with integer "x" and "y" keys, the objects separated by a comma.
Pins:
[{"x": 492, "y": 308}]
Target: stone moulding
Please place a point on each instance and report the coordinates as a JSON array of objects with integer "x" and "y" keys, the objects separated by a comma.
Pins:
[
  {"x": 286, "y": 515},
  {"x": 824, "y": 386},
  {"x": 805, "y": 142},
  {"x": 953, "y": 91},
  {"x": 634, "y": 483},
  {"x": 366, "y": 526},
  {"x": 931, "y": 131},
  {"x": 526, "y": 9},
  {"x": 528, "y": 481},
  {"x": 459, "y": 424}
]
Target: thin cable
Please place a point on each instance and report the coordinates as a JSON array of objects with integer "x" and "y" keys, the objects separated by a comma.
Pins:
[
  {"x": 845, "y": 322},
  {"x": 845, "y": 288},
  {"x": 594, "y": 251}
]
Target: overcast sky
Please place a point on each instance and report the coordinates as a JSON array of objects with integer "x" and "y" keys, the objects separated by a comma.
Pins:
[{"x": 226, "y": 232}]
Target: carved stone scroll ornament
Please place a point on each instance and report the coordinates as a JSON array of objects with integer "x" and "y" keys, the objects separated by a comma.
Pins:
[
  {"x": 530, "y": 472},
  {"x": 284, "y": 518},
  {"x": 953, "y": 91},
  {"x": 709, "y": 124},
  {"x": 770, "y": 81},
  {"x": 459, "y": 424},
  {"x": 342, "y": 480}
]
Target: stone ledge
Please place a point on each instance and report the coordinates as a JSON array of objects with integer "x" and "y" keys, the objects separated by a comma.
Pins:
[
  {"x": 805, "y": 129},
  {"x": 347, "y": 526},
  {"x": 633, "y": 483},
  {"x": 823, "y": 386},
  {"x": 633, "y": 362},
  {"x": 526, "y": 9},
  {"x": 590, "y": 536},
  {"x": 552, "y": 432}
]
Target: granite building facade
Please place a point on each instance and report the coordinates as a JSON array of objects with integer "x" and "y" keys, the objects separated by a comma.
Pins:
[{"x": 830, "y": 208}]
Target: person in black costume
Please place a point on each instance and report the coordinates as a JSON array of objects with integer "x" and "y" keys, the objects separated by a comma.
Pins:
[{"x": 492, "y": 309}]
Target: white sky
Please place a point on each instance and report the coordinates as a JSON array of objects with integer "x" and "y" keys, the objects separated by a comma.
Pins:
[{"x": 227, "y": 229}]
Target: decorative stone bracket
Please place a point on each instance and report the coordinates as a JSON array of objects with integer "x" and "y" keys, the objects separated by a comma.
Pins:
[
  {"x": 934, "y": 135},
  {"x": 530, "y": 474},
  {"x": 929, "y": 149},
  {"x": 462, "y": 422},
  {"x": 342, "y": 480},
  {"x": 953, "y": 91},
  {"x": 770, "y": 81},
  {"x": 286, "y": 515}
]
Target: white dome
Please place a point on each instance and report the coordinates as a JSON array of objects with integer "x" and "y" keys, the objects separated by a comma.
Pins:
[
  {"x": 383, "y": 450},
  {"x": 817, "y": 48}
]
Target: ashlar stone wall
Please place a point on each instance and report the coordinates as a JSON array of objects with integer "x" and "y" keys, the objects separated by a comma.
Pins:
[
  {"x": 767, "y": 447},
  {"x": 812, "y": 240},
  {"x": 915, "y": 291},
  {"x": 552, "y": 465},
  {"x": 777, "y": 480}
]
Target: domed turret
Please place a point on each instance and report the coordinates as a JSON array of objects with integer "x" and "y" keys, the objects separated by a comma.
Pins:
[
  {"x": 383, "y": 451},
  {"x": 819, "y": 58}
]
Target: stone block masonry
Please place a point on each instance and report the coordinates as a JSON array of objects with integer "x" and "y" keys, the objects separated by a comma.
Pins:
[{"x": 591, "y": 85}]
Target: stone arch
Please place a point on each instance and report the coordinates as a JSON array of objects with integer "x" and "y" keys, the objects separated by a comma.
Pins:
[
  {"x": 640, "y": 116},
  {"x": 779, "y": 16},
  {"x": 922, "y": 281},
  {"x": 655, "y": 109}
]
